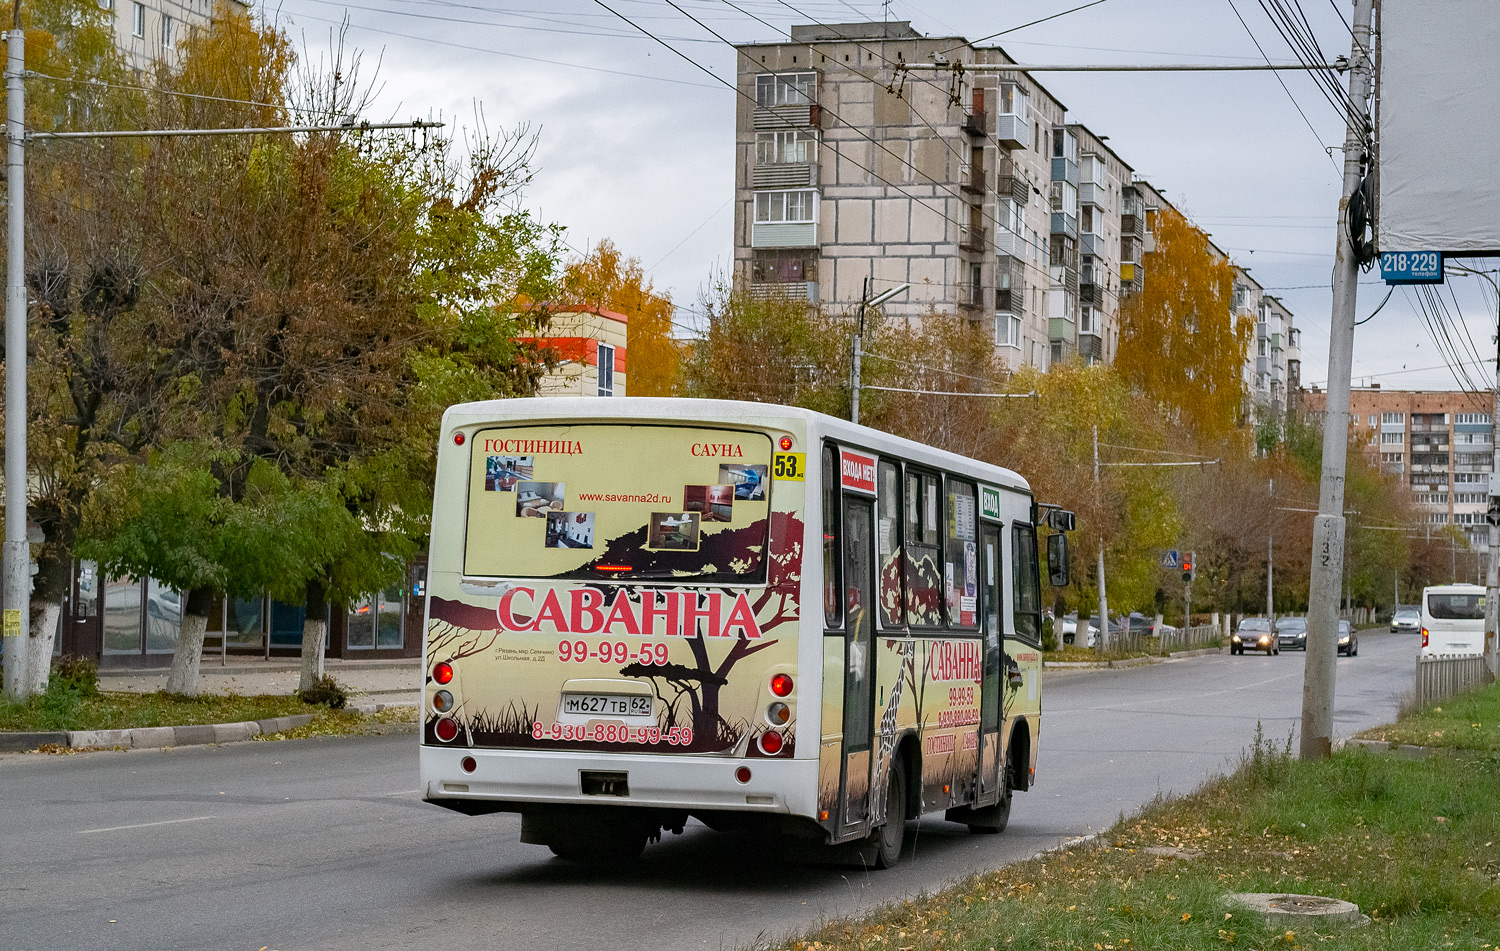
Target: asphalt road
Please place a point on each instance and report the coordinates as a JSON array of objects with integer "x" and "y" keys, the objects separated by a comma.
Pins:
[{"x": 323, "y": 844}]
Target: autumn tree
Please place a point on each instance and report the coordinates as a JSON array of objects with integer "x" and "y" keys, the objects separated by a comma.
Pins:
[
  {"x": 1181, "y": 345},
  {"x": 308, "y": 304},
  {"x": 604, "y": 278}
]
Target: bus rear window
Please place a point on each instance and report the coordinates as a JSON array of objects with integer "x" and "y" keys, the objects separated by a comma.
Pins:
[
  {"x": 1456, "y": 607},
  {"x": 601, "y": 502}
]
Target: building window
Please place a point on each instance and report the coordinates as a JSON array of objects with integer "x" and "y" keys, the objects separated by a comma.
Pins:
[
  {"x": 976, "y": 284},
  {"x": 774, "y": 148},
  {"x": 1438, "y": 518},
  {"x": 1391, "y": 439},
  {"x": 1393, "y": 458},
  {"x": 138, "y": 20},
  {"x": 1480, "y": 418},
  {"x": 1086, "y": 321},
  {"x": 166, "y": 31},
  {"x": 786, "y": 89},
  {"x": 606, "y": 363},
  {"x": 1386, "y": 418},
  {"x": 1012, "y": 100},
  {"x": 1065, "y": 198},
  {"x": 1007, "y": 330},
  {"x": 106, "y": 4},
  {"x": 788, "y": 206}
]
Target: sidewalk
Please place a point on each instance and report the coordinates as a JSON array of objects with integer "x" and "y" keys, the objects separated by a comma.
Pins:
[{"x": 390, "y": 682}]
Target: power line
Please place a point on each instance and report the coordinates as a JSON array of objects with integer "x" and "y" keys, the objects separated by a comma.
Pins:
[
  {"x": 1063, "y": 13},
  {"x": 1283, "y": 84}
]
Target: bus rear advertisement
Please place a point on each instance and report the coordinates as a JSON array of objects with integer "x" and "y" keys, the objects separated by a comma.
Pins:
[{"x": 639, "y": 611}]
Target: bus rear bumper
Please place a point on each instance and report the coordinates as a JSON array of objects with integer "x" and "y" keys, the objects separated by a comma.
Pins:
[{"x": 509, "y": 780}]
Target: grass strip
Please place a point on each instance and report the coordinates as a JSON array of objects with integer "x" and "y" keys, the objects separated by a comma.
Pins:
[
  {"x": 64, "y": 709},
  {"x": 1411, "y": 842},
  {"x": 1469, "y": 721}
]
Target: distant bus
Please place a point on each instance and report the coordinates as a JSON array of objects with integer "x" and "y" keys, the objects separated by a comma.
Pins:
[{"x": 757, "y": 616}]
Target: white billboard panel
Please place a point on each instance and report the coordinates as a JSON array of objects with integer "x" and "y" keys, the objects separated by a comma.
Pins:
[{"x": 1439, "y": 135}]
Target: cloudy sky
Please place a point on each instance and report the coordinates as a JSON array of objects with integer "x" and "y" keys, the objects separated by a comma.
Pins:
[{"x": 636, "y": 141}]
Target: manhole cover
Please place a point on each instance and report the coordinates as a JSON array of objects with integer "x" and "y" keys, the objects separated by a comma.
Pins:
[{"x": 1289, "y": 911}]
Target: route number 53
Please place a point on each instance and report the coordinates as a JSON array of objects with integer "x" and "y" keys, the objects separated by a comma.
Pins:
[{"x": 791, "y": 466}]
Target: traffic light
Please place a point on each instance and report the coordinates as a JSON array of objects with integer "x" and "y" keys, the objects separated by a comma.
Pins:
[{"x": 1189, "y": 567}]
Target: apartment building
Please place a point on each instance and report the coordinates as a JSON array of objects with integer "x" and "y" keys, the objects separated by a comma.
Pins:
[
  {"x": 864, "y": 161},
  {"x": 589, "y": 344},
  {"x": 148, "y": 30},
  {"x": 854, "y": 176},
  {"x": 1440, "y": 442}
]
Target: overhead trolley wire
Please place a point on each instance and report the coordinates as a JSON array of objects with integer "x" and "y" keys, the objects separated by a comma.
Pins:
[{"x": 1285, "y": 88}]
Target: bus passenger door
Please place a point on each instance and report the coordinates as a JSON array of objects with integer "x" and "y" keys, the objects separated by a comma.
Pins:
[
  {"x": 859, "y": 664},
  {"x": 993, "y": 684}
]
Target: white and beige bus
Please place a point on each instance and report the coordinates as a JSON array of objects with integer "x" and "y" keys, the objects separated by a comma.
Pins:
[{"x": 645, "y": 610}]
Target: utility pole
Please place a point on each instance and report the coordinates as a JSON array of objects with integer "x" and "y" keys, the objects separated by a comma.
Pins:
[
  {"x": 1270, "y": 552},
  {"x": 859, "y": 331},
  {"x": 16, "y": 590},
  {"x": 1103, "y": 636},
  {"x": 1328, "y": 527}
]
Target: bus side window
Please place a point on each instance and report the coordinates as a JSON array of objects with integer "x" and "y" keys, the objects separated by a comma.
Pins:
[
  {"x": 832, "y": 603},
  {"x": 961, "y": 560},
  {"x": 888, "y": 533},
  {"x": 1027, "y": 615},
  {"x": 924, "y": 579}
]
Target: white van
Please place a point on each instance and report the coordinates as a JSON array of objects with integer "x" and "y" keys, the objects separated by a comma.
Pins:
[{"x": 1452, "y": 619}]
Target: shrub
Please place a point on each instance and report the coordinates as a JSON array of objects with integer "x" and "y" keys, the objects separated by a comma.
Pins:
[
  {"x": 77, "y": 674},
  {"x": 1049, "y": 637},
  {"x": 327, "y": 692}
]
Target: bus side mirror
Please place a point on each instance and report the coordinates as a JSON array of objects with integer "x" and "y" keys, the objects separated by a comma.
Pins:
[{"x": 1057, "y": 560}]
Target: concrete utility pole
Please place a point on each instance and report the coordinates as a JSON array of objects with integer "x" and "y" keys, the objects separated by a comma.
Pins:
[
  {"x": 1270, "y": 551},
  {"x": 865, "y": 303},
  {"x": 17, "y": 552},
  {"x": 1328, "y": 527},
  {"x": 1103, "y": 635}
]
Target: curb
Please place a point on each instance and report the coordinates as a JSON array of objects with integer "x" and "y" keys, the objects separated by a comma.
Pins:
[
  {"x": 1100, "y": 664},
  {"x": 153, "y": 737},
  {"x": 1199, "y": 652}
]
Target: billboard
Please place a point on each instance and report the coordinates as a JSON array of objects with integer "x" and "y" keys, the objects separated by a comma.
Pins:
[{"x": 1439, "y": 126}]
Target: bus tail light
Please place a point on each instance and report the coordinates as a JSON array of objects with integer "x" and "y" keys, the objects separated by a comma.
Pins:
[
  {"x": 458, "y": 439},
  {"x": 785, "y": 443},
  {"x": 742, "y": 775},
  {"x": 1424, "y": 637},
  {"x": 771, "y": 743},
  {"x": 442, "y": 701},
  {"x": 778, "y": 714},
  {"x": 446, "y": 730},
  {"x": 442, "y": 672},
  {"x": 468, "y": 764},
  {"x": 781, "y": 685}
]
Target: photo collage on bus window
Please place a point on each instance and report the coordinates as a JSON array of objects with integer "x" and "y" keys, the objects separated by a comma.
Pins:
[{"x": 606, "y": 498}]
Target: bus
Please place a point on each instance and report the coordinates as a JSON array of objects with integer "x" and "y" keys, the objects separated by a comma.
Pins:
[{"x": 643, "y": 610}]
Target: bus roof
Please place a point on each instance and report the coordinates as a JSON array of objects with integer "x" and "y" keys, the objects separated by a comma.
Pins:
[{"x": 667, "y": 409}]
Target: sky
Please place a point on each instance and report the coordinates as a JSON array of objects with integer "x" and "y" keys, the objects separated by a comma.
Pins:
[{"x": 636, "y": 140}]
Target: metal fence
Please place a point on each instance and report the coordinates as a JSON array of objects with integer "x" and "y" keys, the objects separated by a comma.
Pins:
[
  {"x": 1139, "y": 640},
  {"x": 1439, "y": 678}
]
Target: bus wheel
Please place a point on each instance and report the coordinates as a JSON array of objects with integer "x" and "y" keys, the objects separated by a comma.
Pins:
[
  {"x": 992, "y": 820},
  {"x": 889, "y": 838}
]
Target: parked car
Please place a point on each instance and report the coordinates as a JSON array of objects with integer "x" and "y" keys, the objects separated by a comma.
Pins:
[
  {"x": 1291, "y": 633},
  {"x": 1348, "y": 640},
  {"x": 1254, "y": 633},
  {"x": 1406, "y": 620}
]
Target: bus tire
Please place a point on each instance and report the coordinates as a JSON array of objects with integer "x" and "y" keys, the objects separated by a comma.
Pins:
[{"x": 889, "y": 838}]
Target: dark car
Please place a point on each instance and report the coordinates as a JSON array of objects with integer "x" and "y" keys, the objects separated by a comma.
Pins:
[
  {"x": 1348, "y": 640},
  {"x": 1254, "y": 633},
  {"x": 1291, "y": 633}
]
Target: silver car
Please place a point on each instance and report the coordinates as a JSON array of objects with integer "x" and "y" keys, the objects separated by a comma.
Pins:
[{"x": 1407, "y": 621}]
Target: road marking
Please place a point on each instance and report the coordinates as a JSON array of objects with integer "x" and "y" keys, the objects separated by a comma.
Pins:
[{"x": 144, "y": 825}]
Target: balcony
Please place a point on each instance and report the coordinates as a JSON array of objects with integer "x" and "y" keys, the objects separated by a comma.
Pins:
[
  {"x": 976, "y": 124},
  {"x": 973, "y": 239},
  {"x": 1013, "y": 131},
  {"x": 1148, "y": 243},
  {"x": 972, "y": 298},
  {"x": 785, "y": 175},
  {"x": 780, "y": 118},
  {"x": 1132, "y": 224},
  {"x": 1089, "y": 293},
  {"x": 1010, "y": 300},
  {"x": 1091, "y": 244},
  {"x": 971, "y": 179},
  {"x": 1128, "y": 272},
  {"x": 1008, "y": 242},
  {"x": 1064, "y": 223},
  {"x": 1090, "y": 193},
  {"x": 1062, "y": 328},
  {"x": 793, "y": 290},
  {"x": 784, "y": 234},
  {"x": 1012, "y": 183},
  {"x": 1065, "y": 170}
]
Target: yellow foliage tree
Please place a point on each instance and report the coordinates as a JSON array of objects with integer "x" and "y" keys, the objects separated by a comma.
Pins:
[
  {"x": 604, "y": 278},
  {"x": 1180, "y": 344}
]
